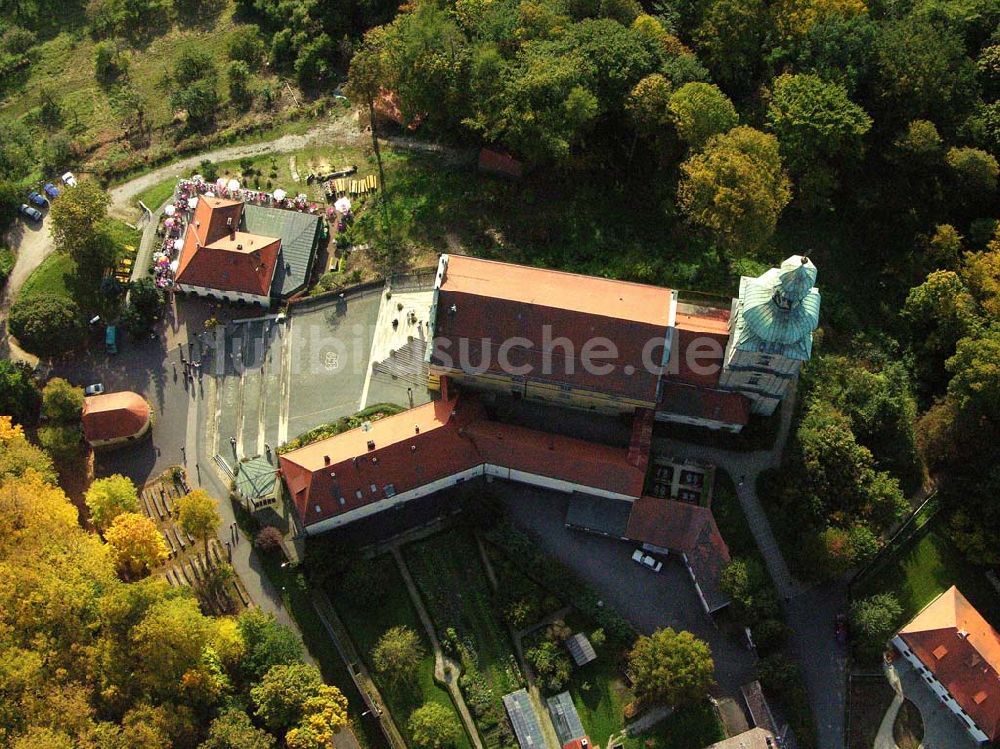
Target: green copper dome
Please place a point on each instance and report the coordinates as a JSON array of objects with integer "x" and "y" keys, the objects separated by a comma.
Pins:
[{"x": 780, "y": 310}]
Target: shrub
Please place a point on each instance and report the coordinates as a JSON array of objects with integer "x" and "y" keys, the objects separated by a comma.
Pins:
[
  {"x": 873, "y": 620},
  {"x": 246, "y": 46},
  {"x": 17, "y": 41},
  {"x": 269, "y": 539},
  {"x": 47, "y": 324}
]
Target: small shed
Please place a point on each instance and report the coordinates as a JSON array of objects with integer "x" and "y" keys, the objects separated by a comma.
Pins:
[
  {"x": 580, "y": 649},
  {"x": 527, "y": 727},
  {"x": 565, "y": 718}
]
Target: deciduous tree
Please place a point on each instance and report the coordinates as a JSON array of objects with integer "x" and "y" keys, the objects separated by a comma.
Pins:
[
  {"x": 268, "y": 643},
  {"x": 19, "y": 396},
  {"x": 61, "y": 401},
  {"x": 136, "y": 542},
  {"x": 198, "y": 516},
  {"x": 233, "y": 730},
  {"x": 671, "y": 667},
  {"x": 699, "y": 111},
  {"x": 432, "y": 726},
  {"x": 47, "y": 323},
  {"x": 280, "y": 697},
  {"x": 873, "y": 622},
  {"x": 398, "y": 653},
  {"x": 735, "y": 189},
  {"x": 109, "y": 497}
]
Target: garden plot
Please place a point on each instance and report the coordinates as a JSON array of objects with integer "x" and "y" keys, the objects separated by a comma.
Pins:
[
  {"x": 451, "y": 579},
  {"x": 371, "y": 599}
]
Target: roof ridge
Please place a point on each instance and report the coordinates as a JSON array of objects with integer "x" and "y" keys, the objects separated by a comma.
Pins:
[{"x": 558, "y": 272}]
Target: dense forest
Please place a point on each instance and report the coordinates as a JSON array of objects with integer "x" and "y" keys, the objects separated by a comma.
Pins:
[{"x": 866, "y": 135}]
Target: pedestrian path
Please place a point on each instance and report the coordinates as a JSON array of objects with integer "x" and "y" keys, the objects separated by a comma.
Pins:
[{"x": 446, "y": 670}]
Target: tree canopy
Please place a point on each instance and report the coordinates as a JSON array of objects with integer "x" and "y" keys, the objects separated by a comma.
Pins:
[{"x": 674, "y": 668}]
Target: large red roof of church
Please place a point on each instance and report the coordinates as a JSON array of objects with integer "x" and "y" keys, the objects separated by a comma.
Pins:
[
  {"x": 434, "y": 441},
  {"x": 216, "y": 255},
  {"x": 960, "y": 648},
  {"x": 485, "y": 300}
]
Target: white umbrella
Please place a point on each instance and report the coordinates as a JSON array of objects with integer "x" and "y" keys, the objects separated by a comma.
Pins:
[
  {"x": 170, "y": 209},
  {"x": 173, "y": 265},
  {"x": 343, "y": 205},
  {"x": 279, "y": 194},
  {"x": 209, "y": 194},
  {"x": 234, "y": 185},
  {"x": 220, "y": 182},
  {"x": 193, "y": 203}
]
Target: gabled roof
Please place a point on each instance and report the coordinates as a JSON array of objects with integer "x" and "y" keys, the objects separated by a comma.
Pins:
[
  {"x": 755, "y": 738},
  {"x": 485, "y": 300},
  {"x": 565, "y": 719},
  {"x": 434, "y": 441},
  {"x": 524, "y": 719},
  {"x": 962, "y": 651},
  {"x": 299, "y": 232},
  {"x": 580, "y": 648},
  {"x": 113, "y": 416},
  {"x": 256, "y": 478},
  {"x": 685, "y": 528},
  {"x": 217, "y": 255}
]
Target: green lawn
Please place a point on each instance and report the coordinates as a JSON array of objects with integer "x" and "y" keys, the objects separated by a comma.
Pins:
[
  {"x": 689, "y": 728},
  {"x": 925, "y": 568},
  {"x": 54, "y": 276},
  {"x": 449, "y": 573},
  {"x": 368, "y": 611},
  {"x": 600, "y": 695},
  {"x": 155, "y": 196}
]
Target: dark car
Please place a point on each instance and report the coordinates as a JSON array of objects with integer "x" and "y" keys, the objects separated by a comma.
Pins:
[
  {"x": 33, "y": 213},
  {"x": 51, "y": 190},
  {"x": 37, "y": 199}
]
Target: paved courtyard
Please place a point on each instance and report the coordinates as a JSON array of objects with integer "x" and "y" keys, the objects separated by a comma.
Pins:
[
  {"x": 646, "y": 599},
  {"x": 942, "y": 729}
]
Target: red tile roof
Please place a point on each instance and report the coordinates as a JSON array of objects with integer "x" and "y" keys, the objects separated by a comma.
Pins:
[
  {"x": 704, "y": 403},
  {"x": 581, "y": 743},
  {"x": 453, "y": 437},
  {"x": 696, "y": 357},
  {"x": 113, "y": 416},
  {"x": 554, "y": 456},
  {"x": 216, "y": 255},
  {"x": 411, "y": 449},
  {"x": 962, "y": 651},
  {"x": 685, "y": 528},
  {"x": 497, "y": 302}
]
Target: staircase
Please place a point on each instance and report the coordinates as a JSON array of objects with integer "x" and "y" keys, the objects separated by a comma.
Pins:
[
  {"x": 407, "y": 363},
  {"x": 642, "y": 436}
]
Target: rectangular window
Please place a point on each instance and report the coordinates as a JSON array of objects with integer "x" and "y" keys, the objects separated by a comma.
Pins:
[{"x": 390, "y": 490}]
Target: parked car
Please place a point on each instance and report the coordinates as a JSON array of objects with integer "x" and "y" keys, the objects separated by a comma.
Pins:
[
  {"x": 69, "y": 180},
  {"x": 51, "y": 190},
  {"x": 96, "y": 389},
  {"x": 646, "y": 560},
  {"x": 33, "y": 213},
  {"x": 37, "y": 199}
]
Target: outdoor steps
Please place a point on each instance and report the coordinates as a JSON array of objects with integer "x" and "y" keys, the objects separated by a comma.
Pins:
[{"x": 406, "y": 363}]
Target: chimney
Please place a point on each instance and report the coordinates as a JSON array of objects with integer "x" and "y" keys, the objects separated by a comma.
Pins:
[
  {"x": 239, "y": 246},
  {"x": 371, "y": 444},
  {"x": 416, "y": 429},
  {"x": 326, "y": 460},
  {"x": 413, "y": 448}
]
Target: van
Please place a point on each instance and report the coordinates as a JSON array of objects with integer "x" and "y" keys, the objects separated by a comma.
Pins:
[{"x": 111, "y": 339}]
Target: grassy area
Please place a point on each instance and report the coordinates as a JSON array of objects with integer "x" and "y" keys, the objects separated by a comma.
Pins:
[
  {"x": 155, "y": 196},
  {"x": 55, "y": 275},
  {"x": 62, "y": 68},
  {"x": 368, "y": 616},
  {"x": 926, "y": 567},
  {"x": 449, "y": 573},
  {"x": 691, "y": 727}
]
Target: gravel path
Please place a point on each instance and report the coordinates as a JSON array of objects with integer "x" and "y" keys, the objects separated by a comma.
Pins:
[{"x": 343, "y": 129}]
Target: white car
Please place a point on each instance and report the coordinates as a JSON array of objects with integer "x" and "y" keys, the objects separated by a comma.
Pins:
[
  {"x": 95, "y": 389},
  {"x": 646, "y": 560},
  {"x": 69, "y": 180}
]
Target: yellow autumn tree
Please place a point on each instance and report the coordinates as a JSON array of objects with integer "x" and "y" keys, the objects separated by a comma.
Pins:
[
  {"x": 136, "y": 542},
  {"x": 17, "y": 454},
  {"x": 795, "y": 18},
  {"x": 197, "y": 515}
]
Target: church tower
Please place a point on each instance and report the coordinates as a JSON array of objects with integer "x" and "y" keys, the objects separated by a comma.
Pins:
[{"x": 770, "y": 332}]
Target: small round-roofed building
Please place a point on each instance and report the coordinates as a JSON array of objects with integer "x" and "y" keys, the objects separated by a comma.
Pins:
[{"x": 115, "y": 419}]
